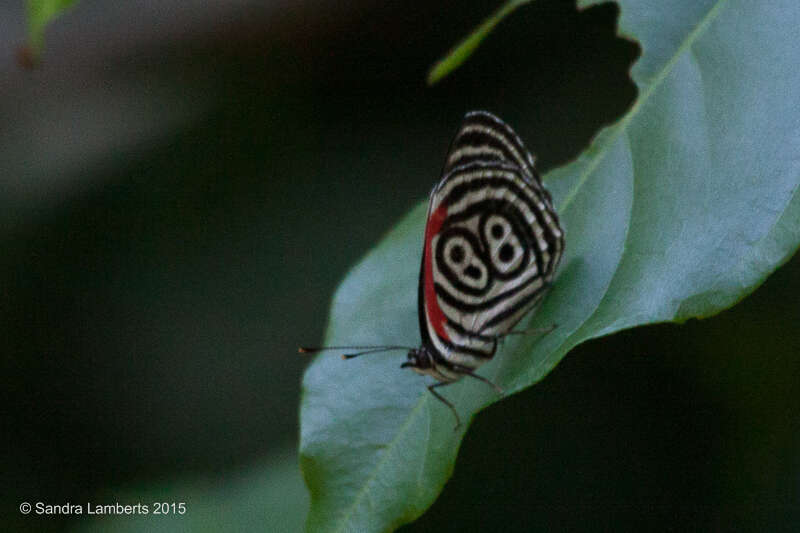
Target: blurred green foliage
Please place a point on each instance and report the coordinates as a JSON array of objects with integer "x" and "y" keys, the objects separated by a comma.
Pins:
[
  {"x": 40, "y": 14},
  {"x": 465, "y": 48},
  {"x": 269, "y": 495}
]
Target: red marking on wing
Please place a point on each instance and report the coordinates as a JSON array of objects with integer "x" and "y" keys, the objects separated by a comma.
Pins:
[{"x": 435, "y": 314}]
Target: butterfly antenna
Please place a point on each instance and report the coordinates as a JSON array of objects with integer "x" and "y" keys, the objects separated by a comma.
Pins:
[{"x": 366, "y": 349}]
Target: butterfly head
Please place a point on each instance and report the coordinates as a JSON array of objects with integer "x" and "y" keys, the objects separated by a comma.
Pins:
[{"x": 419, "y": 360}]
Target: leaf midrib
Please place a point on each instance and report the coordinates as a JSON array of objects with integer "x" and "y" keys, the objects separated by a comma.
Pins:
[
  {"x": 384, "y": 458},
  {"x": 619, "y": 128},
  {"x": 622, "y": 126}
]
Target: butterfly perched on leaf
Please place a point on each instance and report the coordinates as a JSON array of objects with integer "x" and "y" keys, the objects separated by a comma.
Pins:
[{"x": 490, "y": 251}]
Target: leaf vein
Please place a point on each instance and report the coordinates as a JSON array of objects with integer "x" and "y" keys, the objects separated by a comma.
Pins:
[
  {"x": 379, "y": 466},
  {"x": 623, "y": 124}
]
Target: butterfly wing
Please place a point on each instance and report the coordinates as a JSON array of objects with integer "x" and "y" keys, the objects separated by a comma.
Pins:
[
  {"x": 484, "y": 138},
  {"x": 492, "y": 243}
]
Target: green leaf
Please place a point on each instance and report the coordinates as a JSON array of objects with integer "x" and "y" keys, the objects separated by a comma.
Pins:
[
  {"x": 678, "y": 210},
  {"x": 40, "y": 14},
  {"x": 464, "y": 49}
]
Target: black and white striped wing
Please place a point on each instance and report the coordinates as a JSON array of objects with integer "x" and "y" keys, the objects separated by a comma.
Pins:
[
  {"x": 484, "y": 138},
  {"x": 492, "y": 243}
]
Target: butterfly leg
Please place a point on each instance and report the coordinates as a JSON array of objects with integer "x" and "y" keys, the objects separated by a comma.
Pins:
[
  {"x": 532, "y": 331},
  {"x": 445, "y": 401},
  {"x": 470, "y": 373},
  {"x": 529, "y": 331}
]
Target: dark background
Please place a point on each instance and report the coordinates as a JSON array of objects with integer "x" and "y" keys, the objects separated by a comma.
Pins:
[{"x": 182, "y": 186}]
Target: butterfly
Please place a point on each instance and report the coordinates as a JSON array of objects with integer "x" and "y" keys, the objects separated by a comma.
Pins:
[{"x": 491, "y": 247}]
